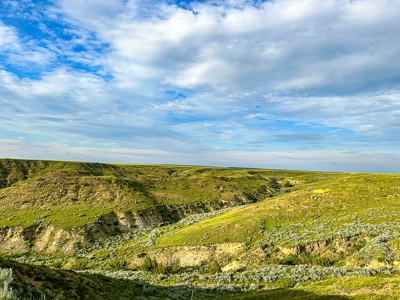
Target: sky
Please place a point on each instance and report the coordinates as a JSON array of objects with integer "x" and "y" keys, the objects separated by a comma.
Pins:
[{"x": 283, "y": 84}]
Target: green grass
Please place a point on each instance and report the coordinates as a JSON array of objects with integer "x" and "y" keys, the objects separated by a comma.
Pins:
[
  {"x": 348, "y": 198},
  {"x": 38, "y": 282},
  {"x": 359, "y": 287},
  {"x": 349, "y": 287},
  {"x": 66, "y": 189},
  {"x": 291, "y": 219}
]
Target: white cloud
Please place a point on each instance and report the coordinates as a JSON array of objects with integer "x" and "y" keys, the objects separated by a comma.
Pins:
[
  {"x": 16, "y": 148},
  {"x": 8, "y": 38},
  {"x": 279, "y": 46},
  {"x": 17, "y": 52},
  {"x": 239, "y": 67},
  {"x": 365, "y": 161}
]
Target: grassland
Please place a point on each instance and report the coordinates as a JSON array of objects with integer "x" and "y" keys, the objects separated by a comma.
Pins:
[
  {"x": 44, "y": 283},
  {"x": 240, "y": 233},
  {"x": 68, "y": 194},
  {"x": 308, "y": 212}
]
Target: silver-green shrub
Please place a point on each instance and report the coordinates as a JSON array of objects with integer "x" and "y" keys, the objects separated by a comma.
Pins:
[{"x": 6, "y": 292}]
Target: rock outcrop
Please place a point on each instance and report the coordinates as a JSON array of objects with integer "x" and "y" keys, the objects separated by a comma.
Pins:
[{"x": 46, "y": 238}]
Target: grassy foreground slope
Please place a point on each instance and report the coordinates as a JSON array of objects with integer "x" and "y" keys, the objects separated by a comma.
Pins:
[
  {"x": 343, "y": 206},
  {"x": 38, "y": 282}
]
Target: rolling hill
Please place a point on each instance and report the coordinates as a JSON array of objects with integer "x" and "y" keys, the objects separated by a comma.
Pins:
[{"x": 173, "y": 230}]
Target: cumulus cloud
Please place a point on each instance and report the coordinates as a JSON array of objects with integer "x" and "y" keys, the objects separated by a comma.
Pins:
[
  {"x": 281, "y": 45},
  {"x": 309, "y": 47},
  {"x": 198, "y": 77},
  {"x": 8, "y": 38}
]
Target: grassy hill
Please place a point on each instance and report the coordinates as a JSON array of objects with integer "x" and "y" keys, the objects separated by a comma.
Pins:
[
  {"x": 70, "y": 194},
  {"x": 311, "y": 212},
  {"x": 245, "y": 233}
]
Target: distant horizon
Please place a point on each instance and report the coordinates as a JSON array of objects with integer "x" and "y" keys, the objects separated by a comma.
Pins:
[
  {"x": 286, "y": 84},
  {"x": 195, "y": 165}
]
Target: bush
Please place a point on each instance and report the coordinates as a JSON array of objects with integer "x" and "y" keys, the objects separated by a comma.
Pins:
[
  {"x": 287, "y": 184},
  {"x": 170, "y": 268},
  {"x": 151, "y": 265},
  {"x": 285, "y": 283},
  {"x": 212, "y": 268},
  {"x": 117, "y": 264},
  {"x": 6, "y": 292},
  {"x": 290, "y": 260}
]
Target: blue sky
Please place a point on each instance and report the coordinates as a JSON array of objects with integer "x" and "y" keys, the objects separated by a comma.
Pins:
[{"x": 293, "y": 84}]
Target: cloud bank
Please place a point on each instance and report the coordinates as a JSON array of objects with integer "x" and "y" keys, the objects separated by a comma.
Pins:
[{"x": 288, "y": 84}]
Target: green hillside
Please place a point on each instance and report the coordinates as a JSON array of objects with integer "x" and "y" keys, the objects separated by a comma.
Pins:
[
  {"x": 70, "y": 194},
  {"x": 321, "y": 210},
  {"x": 38, "y": 282},
  {"x": 231, "y": 233}
]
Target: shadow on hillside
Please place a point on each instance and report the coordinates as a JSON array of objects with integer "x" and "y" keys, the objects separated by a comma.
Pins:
[{"x": 39, "y": 282}]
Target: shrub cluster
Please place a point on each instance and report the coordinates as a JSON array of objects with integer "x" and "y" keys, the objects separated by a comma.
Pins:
[{"x": 6, "y": 292}]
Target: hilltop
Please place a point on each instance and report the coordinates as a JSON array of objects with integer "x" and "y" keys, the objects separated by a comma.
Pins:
[
  {"x": 68, "y": 194},
  {"x": 242, "y": 232}
]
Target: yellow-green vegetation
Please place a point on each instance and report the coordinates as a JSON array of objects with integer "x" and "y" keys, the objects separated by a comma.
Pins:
[
  {"x": 38, "y": 282},
  {"x": 173, "y": 230},
  {"x": 359, "y": 287},
  {"x": 313, "y": 209},
  {"x": 70, "y": 194},
  {"x": 349, "y": 287}
]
